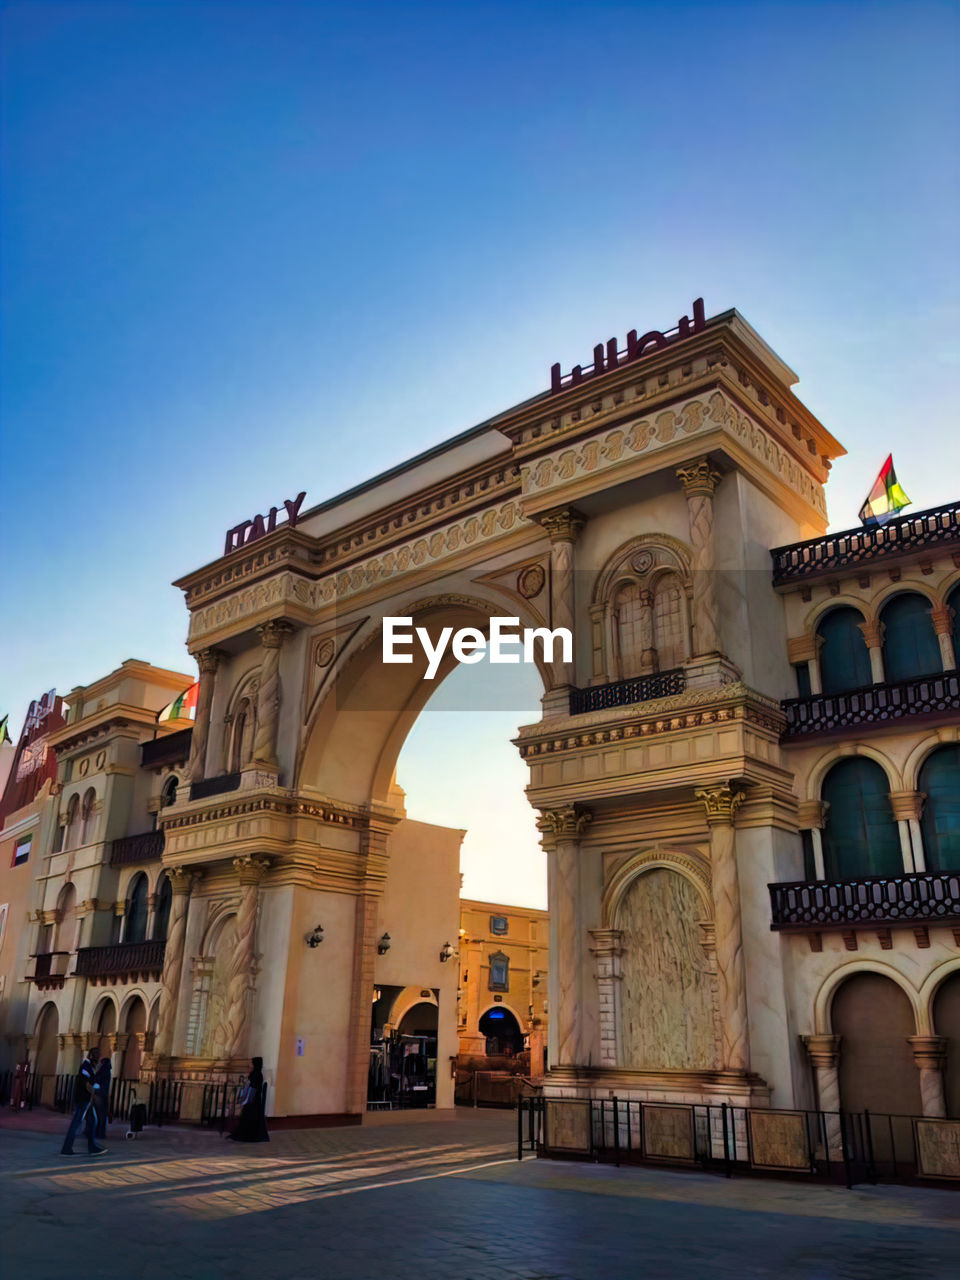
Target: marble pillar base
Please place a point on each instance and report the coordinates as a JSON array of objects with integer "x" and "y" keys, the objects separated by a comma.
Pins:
[{"x": 736, "y": 1088}]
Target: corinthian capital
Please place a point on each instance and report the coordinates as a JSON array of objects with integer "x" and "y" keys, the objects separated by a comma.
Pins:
[
  {"x": 182, "y": 879},
  {"x": 721, "y": 804},
  {"x": 563, "y": 524},
  {"x": 699, "y": 478},
  {"x": 273, "y": 634},
  {"x": 568, "y": 823},
  {"x": 208, "y": 660},
  {"x": 251, "y": 869}
]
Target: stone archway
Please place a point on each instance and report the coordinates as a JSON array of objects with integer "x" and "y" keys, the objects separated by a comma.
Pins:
[{"x": 46, "y": 1033}]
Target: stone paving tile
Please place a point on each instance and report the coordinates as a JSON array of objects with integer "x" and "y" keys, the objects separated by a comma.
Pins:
[{"x": 414, "y": 1202}]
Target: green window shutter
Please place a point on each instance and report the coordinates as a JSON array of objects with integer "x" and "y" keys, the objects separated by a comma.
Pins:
[
  {"x": 910, "y": 645},
  {"x": 861, "y": 837},
  {"x": 953, "y": 600},
  {"x": 844, "y": 656},
  {"x": 939, "y": 781}
]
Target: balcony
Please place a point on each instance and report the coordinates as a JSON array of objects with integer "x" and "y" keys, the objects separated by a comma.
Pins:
[
  {"x": 929, "y": 697},
  {"x": 819, "y": 556},
  {"x": 127, "y": 961},
  {"x": 170, "y": 749},
  {"x": 214, "y": 786},
  {"x": 624, "y": 693},
  {"x": 932, "y": 898},
  {"x": 146, "y": 847},
  {"x": 50, "y": 969}
]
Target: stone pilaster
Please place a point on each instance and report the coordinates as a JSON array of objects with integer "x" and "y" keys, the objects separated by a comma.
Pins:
[
  {"x": 812, "y": 817},
  {"x": 182, "y": 880},
  {"x": 930, "y": 1055},
  {"x": 272, "y": 636},
  {"x": 872, "y": 633},
  {"x": 208, "y": 660},
  {"x": 561, "y": 830},
  {"x": 721, "y": 804},
  {"x": 907, "y": 809},
  {"x": 824, "y": 1054},
  {"x": 700, "y": 479},
  {"x": 563, "y": 528},
  {"x": 607, "y": 951},
  {"x": 250, "y": 871},
  {"x": 373, "y": 869}
]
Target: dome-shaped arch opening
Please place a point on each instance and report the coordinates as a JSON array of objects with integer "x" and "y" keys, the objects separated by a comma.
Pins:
[
  {"x": 136, "y": 909},
  {"x": 844, "y": 656},
  {"x": 164, "y": 901},
  {"x": 939, "y": 781},
  {"x": 910, "y": 645},
  {"x": 860, "y": 837}
]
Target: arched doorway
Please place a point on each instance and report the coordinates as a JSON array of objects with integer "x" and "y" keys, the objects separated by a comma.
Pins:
[
  {"x": 416, "y": 1055},
  {"x": 134, "y": 1025},
  {"x": 47, "y": 1030},
  {"x": 873, "y": 1017},
  {"x": 502, "y": 1033},
  {"x": 105, "y": 1025},
  {"x": 946, "y": 1023}
]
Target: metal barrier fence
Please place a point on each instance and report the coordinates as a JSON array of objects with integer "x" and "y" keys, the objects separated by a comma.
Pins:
[
  {"x": 219, "y": 1102},
  {"x": 840, "y": 1146}
]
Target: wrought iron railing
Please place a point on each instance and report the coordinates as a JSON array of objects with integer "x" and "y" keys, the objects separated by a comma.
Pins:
[
  {"x": 123, "y": 960},
  {"x": 623, "y": 693},
  {"x": 145, "y": 847},
  {"x": 172, "y": 748},
  {"x": 929, "y": 898},
  {"x": 852, "y": 546},
  {"x": 214, "y": 786},
  {"x": 831, "y": 712}
]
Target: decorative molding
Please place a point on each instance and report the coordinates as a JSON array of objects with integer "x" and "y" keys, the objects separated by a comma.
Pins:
[
  {"x": 566, "y": 823},
  {"x": 721, "y": 804},
  {"x": 562, "y": 524}
]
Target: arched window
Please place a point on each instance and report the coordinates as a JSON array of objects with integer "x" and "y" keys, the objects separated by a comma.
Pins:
[
  {"x": 65, "y": 938},
  {"x": 939, "y": 781},
  {"x": 844, "y": 656},
  {"x": 910, "y": 645},
  {"x": 87, "y": 815},
  {"x": 73, "y": 823},
  {"x": 668, "y": 622},
  {"x": 241, "y": 748},
  {"x": 168, "y": 795},
  {"x": 860, "y": 837},
  {"x": 953, "y": 601},
  {"x": 162, "y": 919},
  {"x": 499, "y": 972},
  {"x": 135, "y": 915}
]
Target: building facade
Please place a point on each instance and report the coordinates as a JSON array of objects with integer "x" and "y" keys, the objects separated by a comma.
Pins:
[{"x": 504, "y": 962}]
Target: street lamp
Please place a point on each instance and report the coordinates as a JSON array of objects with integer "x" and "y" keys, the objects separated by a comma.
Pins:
[
  {"x": 383, "y": 946},
  {"x": 446, "y": 951}
]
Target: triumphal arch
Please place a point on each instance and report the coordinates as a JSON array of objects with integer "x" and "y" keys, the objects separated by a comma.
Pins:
[{"x": 634, "y": 502}]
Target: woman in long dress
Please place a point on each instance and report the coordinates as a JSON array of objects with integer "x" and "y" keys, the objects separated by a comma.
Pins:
[{"x": 252, "y": 1125}]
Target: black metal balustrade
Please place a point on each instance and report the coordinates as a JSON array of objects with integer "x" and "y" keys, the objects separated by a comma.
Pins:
[
  {"x": 871, "y": 542},
  {"x": 125, "y": 960},
  {"x": 929, "y": 898},
  {"x": 170, "y": 749},
  {"x": 624, "y": 693},
  {"x": 876, "y": 704},
  {"x": 214, "y": 786},
  {"x": 145, "y": 847}
]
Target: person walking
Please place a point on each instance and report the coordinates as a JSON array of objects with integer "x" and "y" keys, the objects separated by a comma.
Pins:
[
  {"x": 84, "y": 1107},
  {"x": 101, "y": 1088},
  {"x": 252, "y": 1125}
]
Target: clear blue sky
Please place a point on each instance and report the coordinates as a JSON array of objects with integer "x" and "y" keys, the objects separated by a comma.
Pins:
[{"x": 251, "y": 248}]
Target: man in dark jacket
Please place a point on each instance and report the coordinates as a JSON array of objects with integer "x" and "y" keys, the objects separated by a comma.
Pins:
[
  {"x": 101, "y": 1091},
  {"x": 84, "y": 1108}
]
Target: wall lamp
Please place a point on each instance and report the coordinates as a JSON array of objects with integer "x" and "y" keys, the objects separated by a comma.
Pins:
[
  {"x": 446, "y": 951},
  {"x": 383, "y": 946},
  {"x": 315, "y": 937}
]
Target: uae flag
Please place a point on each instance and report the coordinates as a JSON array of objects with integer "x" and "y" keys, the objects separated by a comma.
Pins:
[
  {"x": 182, "y": 708},
  {"x": 886, "y": 499}
]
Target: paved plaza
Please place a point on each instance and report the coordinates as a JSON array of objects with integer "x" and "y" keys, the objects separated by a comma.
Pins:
[{"x": 434, "y": 1199}]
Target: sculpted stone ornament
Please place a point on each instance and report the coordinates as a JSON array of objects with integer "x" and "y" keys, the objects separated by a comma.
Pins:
[
  {"x": 182, "y": 880},
  {"x": 250, "y": 871},
  {"x": 208, "y": 660},
  {"x": 568, "y": 823},
  {"x": 699, "y": 479},
  {"x": 272, "y": 636},
  {"x": 721, "y": 803},
  {"x": 562, "y": 524}
]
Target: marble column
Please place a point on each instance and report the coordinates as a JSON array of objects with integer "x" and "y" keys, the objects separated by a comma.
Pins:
[
  {"x": 700, "y": 479},
  {"x": 208, "y": 660},
  {"x": 250, "y": 871},
  {"x": 561, "y": 830},
  {"x": 812, "y": 817},
  {"x": 824, "y": 1054},
  {"x": 721, "y": 804},
  {"x": 930, "y": 1055},
  {"x": 563, "y": 528},
  {"x": 272, "y": 636},
  {"x": 607, "y": 951},
  {"x": 182, "y": 880},
  {"x": 907, "y": 807},
  {"x": 943, "y": 625},
  {"x": 872, "y": 633}
]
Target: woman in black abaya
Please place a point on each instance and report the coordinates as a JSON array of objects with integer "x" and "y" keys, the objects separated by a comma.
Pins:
[{"x": 252, "y": 1125}]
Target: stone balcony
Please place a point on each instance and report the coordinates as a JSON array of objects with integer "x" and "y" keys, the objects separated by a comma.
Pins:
[
  {"x": 927, "y": 698},
  {"x": 146, "y": 847},
  {"x": 917, "y": 900}
]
